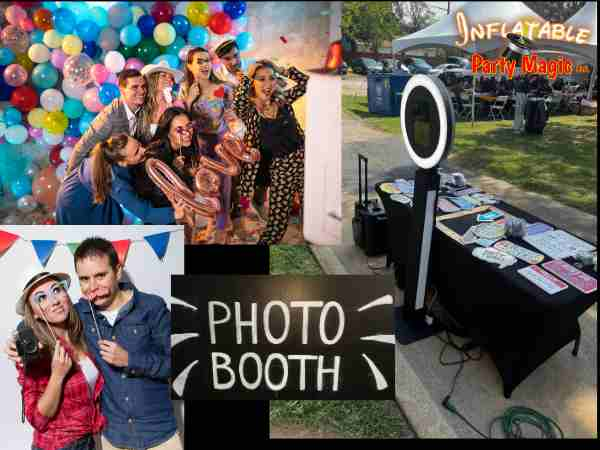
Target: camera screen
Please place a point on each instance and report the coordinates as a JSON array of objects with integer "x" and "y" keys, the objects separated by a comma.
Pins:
[{"x": 422, "y": 122}]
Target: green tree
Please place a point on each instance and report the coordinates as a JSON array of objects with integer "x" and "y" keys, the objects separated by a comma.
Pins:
[
  {"x": 555, "y": 11},
  {"x": 370, "y": 23}
]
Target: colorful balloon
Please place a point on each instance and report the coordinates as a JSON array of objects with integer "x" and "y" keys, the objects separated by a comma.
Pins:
[
  {"x": 52, "y": 139},
  {"x": 15, "y": 75},
  {"x": 181, "y": 25},
  {"x": 220, "y": 23},
  {"x": 24, "y": 98},
  {"x": 12, "y": 116},
  {"x": 38, "y": 53},
  {"x": 244, "y": 41},
  {"x": 91, "y": 49},
  {"x": 131, "y": 35},
  {"x": 176, "y": 46},
  {"x": 108, "y": 92},
  {"x": 56, "y": 122},
  {"x": 77, "y": 69},
  {"x": 239, "y": 25},
  {"x": 198, "y": 36},
  {"x": 45, "y": 187},
  {"x": 53, "y": 39},
  {"x": 36, "y": 133},
  {"x": 52, "y": 100},
  {"x": 26, "y": 204},
  {"x": 198, "y": 13},
  {"x": 114, "y": 62},
  {"x": 99, "y": 16},
  {"x": 21, "y": 187},
  {"x": 119, "y": 15},
  {"x": 72, "y": 130},
  {"x": 44, "y": 76},
  {"x": 134, "y": 63},
  {"x": 215, "y": 7},
  {"x": 16, "y": 134},
  {"x": 108, "y": 39},
  {"x": 234, "y": 10},
  {"x": 72, "y": 45},
  {"x": 164, "y": 34},
  {"x": 14, "y": 14},
  {"x": 23, "y": 60},
  {"x": 137, "y": 12},
  {"x": 99, "y": 73},
  {"x": 26, "y": 24},
  {"x": 37, "y": 37},
  {"x": 146, "y": 25},
  {"x": 91, "y": 101},
  {"x": 72, "y": 89},
  {"x": 15, "y": 39},
  {"x": 147, "y": 50},
  {"x": 64, "y": 20},
  {"x": 36, "y": 117},
  {"x": 7, "y": 56},
  {"x": 88, "y": 30},
  {"x": 162, "y": 12}
]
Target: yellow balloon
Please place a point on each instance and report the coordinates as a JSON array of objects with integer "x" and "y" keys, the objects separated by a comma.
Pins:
[
  {"x": 23, "y": 60},
  {"x": 56, "y": 122},
  {"x": 53, "y": 39},
  {"x": 164, "y": 34},
  {"x": 37, "y": 117},
  {"x": 197, "y": 13},
  {"x": 72, "y": 45},
  {"x": 137, "y": 12}
]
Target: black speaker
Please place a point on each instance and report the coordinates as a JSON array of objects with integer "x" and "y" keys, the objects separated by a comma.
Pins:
[{"x": 369, "y": 224}]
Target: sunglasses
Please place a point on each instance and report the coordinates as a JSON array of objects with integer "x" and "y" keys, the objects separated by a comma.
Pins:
[
  {"x": 42, "y": 297},
  {"x": 189, "y": 129}
]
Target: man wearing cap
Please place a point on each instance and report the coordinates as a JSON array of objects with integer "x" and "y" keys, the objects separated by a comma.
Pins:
[
  {"x": 231, "y": 62},
  {"x": 128, "y": 332}
]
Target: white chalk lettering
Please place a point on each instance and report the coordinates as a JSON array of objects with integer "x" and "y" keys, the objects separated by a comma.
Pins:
[
  {"x": 252, "y": 323},
  {"x": 322, "y": 371},
  {"x": 211, "y": 318},
  {"x": 305, "y": 305},
  {"x": 216, "y": 366},
  {"x": 341, "y": 323},
  {"x": 302, "y": 359},
  {"x": 286, "y": 320},
  {"x": 284, "y": 366},
  {"x": 259, "y": 370}
]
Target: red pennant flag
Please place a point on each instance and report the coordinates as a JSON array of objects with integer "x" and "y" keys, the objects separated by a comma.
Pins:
[
  {"x": 6, "y": 241},
  {"x": 122, "y": 247}
]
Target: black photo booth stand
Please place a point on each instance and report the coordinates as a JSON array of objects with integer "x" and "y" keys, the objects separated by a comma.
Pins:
[{"x": 427, "y": 122}]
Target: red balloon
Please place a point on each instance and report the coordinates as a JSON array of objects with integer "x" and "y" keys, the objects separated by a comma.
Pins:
[
  {"x": 24, "y": 98},
  {"x": 45, "y": 186},
  {"x": 220, "y": 23},
  {"x": 162, "y": 12},
  {"x": 42, "y": 19},
  {"x": 26, "y": 5},
  {"x": 54, "y": 156}
]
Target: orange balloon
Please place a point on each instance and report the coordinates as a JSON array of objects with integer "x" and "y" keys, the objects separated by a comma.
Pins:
[
  {"x": 45, "y": 187},
  {"x": 42, "y": 19}
]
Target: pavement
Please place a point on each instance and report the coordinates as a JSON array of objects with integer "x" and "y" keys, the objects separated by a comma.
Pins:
[{"x": 564, "y": 388}]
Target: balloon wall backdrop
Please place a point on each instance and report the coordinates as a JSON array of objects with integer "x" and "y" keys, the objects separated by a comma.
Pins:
[{"x": 59, "y": 63}]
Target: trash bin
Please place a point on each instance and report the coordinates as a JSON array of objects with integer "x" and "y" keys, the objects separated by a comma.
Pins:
[{"x": 384, "y": 92}]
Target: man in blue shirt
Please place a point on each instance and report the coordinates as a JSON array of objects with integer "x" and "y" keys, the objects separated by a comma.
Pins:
[{"x": 128, "y": 332}]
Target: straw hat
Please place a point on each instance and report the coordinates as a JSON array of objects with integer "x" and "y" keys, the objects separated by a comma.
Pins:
[
  {"x": 163, "y": 66},
  {"x": 34, "y": 281}
]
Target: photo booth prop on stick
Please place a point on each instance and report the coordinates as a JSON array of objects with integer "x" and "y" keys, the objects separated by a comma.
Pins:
[{"x": 427, "y": 122}]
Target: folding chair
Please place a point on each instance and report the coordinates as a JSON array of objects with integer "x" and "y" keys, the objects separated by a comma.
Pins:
[{"x": 498, "y": 106}]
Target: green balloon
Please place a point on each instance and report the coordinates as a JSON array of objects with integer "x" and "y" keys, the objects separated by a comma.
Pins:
[
  {"x": 147, "y": 50},
  {"x": 127, "y": 52}
]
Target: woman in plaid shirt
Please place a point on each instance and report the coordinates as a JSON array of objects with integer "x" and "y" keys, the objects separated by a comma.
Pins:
[{"x": 62, "y": 385}]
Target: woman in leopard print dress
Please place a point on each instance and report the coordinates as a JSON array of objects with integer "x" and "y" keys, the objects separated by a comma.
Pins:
[{"x": 272, "y": 128}]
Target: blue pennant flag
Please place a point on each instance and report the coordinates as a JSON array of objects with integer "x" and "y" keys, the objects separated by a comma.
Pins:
[
  {"x": 43, "y": 249},
  {"x": 159, "y": 243}
]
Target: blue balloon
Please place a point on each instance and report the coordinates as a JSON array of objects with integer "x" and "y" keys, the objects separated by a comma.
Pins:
[
  {"x": 37, "y": 37},
  {"x": 146, "y": 24},
  {"x": 7, "y": 56},
  {"x": 244, "y": 41},
  {"x": 73, "y": 108},
  {"x": 176, "y": 46},
  {"x": 51, "y": 6},
  {"x": 91, "y": 49},
  {"x": 73, "y": 128},
  {"x": 87, "y": 30},
  {"x": 172, "y": 60},
  {"x": 16, "y": 134},
  {"x": 44, "y": 76},
  {"x": 119, "y": 15},
  {"x": 21, "y": 186},
  {"x": 198, "y": 36},
  {"x": 131, "y": 35},
  {"x": 181, "y": 25},
  {"x": 84, "y": 122},
  {"x": 235, "y": 10},
  {"x": 12, "y": 116},
  {"x": 99, "y": 16},
  {"x": 108, "y": 92},
  {"x": 80, "y": 9},
  {"x": 64, "y": 20}
]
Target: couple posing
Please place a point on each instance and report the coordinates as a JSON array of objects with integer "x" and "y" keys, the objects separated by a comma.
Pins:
[
  {"x": 104, "y": 363},
  {"x": 183, "y": 131}
]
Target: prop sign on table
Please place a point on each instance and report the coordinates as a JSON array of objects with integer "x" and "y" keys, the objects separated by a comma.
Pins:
[
  {"x": 494, "y": 256},
  {"x": 519, "y": 252},
  {"x": 558, "y": 244},
  {"x": 491, "y": 230},
  {"x": 572, "y": 275},
  {"x": 284, "y": 337},
  {"x": 542, "y": 279}
]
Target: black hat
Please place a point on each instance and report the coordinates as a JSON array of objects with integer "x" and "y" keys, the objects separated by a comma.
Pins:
[{"x": 225, "y": 47}]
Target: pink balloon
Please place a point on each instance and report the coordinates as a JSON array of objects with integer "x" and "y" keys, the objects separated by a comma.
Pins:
[
  {"x": 112, "y": 78},
  {"x": 215, "y": 7},
  {"x": 15, "y": 75},
  {"x": 91, "y": 101},
  {"x": 134, "y": 63},
  {"x": 70, "y": 141},
  {"x": 58, "y": 58},
  {"x": 99, "y": 73},
  {"x": 36, "y": 133},
  {"x": 14, "y": 14},
  {"x": 26, "y": 24}
]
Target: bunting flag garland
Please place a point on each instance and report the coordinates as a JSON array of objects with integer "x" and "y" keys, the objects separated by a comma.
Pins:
[
  {"x": 43, "y": 249},
  {"x": 6, "y": 241},
  {"x": 122, "y": 248},
  {"x": 159, "y": 243}
]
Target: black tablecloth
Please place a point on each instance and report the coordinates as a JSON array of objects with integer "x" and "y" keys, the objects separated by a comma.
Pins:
[{"x": 516, "y": 321}]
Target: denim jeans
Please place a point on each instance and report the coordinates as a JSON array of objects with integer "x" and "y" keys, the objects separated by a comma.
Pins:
[{"x": 85, "y": 443}]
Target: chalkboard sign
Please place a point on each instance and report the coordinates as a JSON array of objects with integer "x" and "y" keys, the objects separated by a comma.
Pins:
[{"x": 282, "y": 337}]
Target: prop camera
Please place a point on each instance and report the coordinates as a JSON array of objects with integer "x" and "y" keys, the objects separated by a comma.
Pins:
[{"x": 427, "y": 121}]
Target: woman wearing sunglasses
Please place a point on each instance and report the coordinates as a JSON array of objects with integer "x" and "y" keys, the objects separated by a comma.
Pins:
[
  {"x": 210, "y": 102},
  {"x": 97, "y": 192},
  {"x": 62, "y": 385}
]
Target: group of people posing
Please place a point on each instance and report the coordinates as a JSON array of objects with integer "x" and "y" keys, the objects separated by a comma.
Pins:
[{"x": 106, "y": 172}]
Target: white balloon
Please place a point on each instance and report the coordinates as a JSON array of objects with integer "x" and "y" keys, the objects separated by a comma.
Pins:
[
  {"x": 38, "y": 53},
  {"x": 65, "y": 153},
  {"x": 52, "y": 139},
  {"x": 181, "y": 8},
  {"x": 114, "y": 61},
  {"x": 52, "y": 100},
  {"x": 73, "y": 90}
]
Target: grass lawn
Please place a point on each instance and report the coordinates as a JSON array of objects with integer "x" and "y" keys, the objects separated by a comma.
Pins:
[
  {"x": 561, "y": 163},
  {"x": 352, "y": 419}
]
